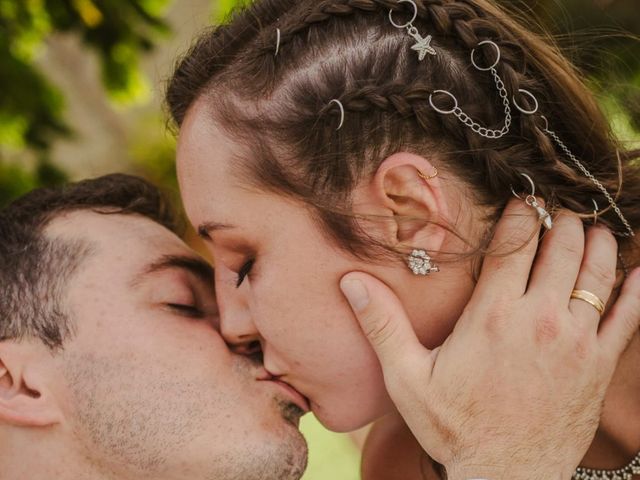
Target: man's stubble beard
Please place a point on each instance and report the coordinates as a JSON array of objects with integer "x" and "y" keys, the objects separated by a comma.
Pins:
[{"x": 145, "y": 429}]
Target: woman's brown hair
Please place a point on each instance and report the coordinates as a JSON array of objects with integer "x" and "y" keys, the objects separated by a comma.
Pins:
[{"x": 279, "y": 106}]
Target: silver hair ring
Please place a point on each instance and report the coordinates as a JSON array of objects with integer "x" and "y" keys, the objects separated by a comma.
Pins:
[
  {"x": 413, "y": 19},
  {"x": 339, "y": 103},
  {"x": 439, "y": 110},
  {"x": 277, "y": 42},
  {"x": 533, "y": 187},
  {"x": 473, "y": 52},
  {"x": 595, "y": 212},
  {"x": 546, "y": 123},
  {"x": 532, "y": 97}
]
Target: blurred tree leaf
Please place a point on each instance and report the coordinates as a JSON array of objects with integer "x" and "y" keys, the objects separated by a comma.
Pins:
[
  {"x": 118, "y": 31},
  {"x": 601, "y": 37},
  {"x": 31, "y": 109}
]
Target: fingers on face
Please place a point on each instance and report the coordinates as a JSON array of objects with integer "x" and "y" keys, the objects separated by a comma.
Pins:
[
  {"x": 556, "y": 269},
  {"x": 511, "y": 251},
  {"x": 622, "y": 321},
  {"x": 597, "y": 274}
]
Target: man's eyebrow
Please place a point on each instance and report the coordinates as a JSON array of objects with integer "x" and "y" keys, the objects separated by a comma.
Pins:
[
  {"x": 205, "y": 229},
  {"x": 195, "y": 265}
]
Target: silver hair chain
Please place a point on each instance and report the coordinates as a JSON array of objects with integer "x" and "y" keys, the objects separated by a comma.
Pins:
[
  {"x": 483, "y": 131},
  {"x": 554, "y": 136},
  {"x": 423, "y": 47},
  {"x": 589, "y": 175},
  {"x": 624, "y": 473},
  {"x": 502, "y": 91}
]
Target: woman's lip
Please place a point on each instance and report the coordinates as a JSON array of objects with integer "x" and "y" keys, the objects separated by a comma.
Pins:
[{"x": 295, "y": 396}]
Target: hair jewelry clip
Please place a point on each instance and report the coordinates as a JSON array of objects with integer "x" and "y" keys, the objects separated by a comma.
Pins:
[
  {"x": 554, "y": 136},
  {"x": 532, "y": 201},
  {"x": 423, "y": 44},
  {"x": 466, "y": 119},
  {"x": 339, "y": 103},
  {"x": 278, "y": 34}
]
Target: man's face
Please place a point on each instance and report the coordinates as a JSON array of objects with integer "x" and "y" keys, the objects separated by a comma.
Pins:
[{"x": 148, "y": 387}]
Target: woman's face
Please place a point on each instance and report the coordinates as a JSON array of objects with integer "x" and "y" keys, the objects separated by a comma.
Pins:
[{"x": 277, "y": 281}]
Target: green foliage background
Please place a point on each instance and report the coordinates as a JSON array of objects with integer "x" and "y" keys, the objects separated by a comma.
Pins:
[{"x": 600, "y": 36}]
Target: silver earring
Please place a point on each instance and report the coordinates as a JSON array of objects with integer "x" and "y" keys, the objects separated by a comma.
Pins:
[
  {"x": 532, "y": 201},
  {"x": 421, "y": 264}
]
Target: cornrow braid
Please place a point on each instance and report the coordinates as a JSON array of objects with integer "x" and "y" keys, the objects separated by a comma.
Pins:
[
  {"x": 215, "y": 49},
  {"x": 281, "y": 107},
  {"x": 450, "y": 19},
  {"x": 453, "y": 17}
]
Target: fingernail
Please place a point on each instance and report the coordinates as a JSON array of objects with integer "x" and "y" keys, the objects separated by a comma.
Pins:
[{"x": 356, "y": 293}]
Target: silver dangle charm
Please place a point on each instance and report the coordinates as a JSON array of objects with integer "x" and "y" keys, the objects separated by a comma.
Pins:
[
  {"x": 423, "y": 44},
  {"x": 543, "y": 215},
  {"x": 421, "y": 264},
  {"x": 532, "y": 201}
]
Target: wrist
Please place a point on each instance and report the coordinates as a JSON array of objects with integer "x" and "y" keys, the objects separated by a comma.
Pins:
[{"x": 501, "y": 472}]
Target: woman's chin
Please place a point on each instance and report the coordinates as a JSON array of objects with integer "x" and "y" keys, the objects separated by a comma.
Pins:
[{"x": 342, "y": 420}]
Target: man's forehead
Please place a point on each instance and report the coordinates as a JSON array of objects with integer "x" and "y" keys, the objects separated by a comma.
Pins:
[{"x": 127, "y": 237}]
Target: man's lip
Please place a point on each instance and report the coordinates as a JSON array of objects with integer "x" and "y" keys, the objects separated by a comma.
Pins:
[{"x": 294, "y": 395}]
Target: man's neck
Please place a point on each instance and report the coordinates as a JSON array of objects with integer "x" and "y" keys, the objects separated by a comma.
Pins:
[
  {"x": 34, "y": 456},
  {"x": 617, "y": 440}
]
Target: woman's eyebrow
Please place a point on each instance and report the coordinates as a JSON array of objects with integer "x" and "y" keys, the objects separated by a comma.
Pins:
[
  {"x": 192, "y": 264},
  {"x": 207, "y": 228}
]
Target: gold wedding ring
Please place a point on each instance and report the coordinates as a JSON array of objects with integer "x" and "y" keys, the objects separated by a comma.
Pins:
[{"x": 591, "y": 298}]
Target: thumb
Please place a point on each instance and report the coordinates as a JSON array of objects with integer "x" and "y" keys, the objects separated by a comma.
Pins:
[{"x": 386, "y": 325}]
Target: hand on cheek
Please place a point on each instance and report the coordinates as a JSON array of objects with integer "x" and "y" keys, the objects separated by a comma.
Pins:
[{"x": 516, "y": 390}]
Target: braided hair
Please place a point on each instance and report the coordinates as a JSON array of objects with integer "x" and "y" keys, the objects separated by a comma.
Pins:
[{"x": 271, "y": 71}]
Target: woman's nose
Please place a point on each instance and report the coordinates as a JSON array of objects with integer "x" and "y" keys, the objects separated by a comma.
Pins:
[{"x": 236, "y": 322}]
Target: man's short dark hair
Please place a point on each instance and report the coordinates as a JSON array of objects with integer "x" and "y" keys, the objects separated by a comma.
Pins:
[{"x": 34, "y": 269}]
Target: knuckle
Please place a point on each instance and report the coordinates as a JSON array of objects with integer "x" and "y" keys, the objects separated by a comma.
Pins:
[
  {"x": 604, "y": 275},
  {"x": 569, "y": 247},
  {"x": 571, "y": 221},
  {"x": 547, "y": 328},
  {"x": 498, "y": 313},
  {"x": 379, "y": 328},
  {"x": 584, "y": 347},
  {"x": 604, "y": 236}
]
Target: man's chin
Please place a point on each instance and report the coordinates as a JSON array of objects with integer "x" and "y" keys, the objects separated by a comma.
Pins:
[{"x": 291, "y": 412}]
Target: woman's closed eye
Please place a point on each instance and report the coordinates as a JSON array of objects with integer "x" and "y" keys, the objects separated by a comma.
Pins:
[{"x": 244, "y": 272}]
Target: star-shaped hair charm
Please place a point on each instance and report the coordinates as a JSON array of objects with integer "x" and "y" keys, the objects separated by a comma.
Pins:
[{"x": 423, "y": 46}]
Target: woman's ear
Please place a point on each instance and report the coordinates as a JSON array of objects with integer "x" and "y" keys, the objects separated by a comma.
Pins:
[
  {"x": 410, "y": 186},
  {"x": 25, "y": 399}
]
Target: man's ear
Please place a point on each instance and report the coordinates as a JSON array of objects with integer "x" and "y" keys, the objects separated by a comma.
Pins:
[
  {"x": 409, "y": 185},
  {"x": 25, "y": 399}
]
